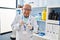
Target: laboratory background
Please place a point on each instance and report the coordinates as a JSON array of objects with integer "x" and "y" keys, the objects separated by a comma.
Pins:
[{"x": 46, "y": 13}]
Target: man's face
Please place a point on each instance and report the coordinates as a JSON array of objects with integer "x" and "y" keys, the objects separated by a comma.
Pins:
[{"x": 26, "y": 11}]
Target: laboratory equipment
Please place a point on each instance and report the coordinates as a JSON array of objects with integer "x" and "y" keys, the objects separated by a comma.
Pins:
[
  {"x": 53, "y": 15},
  {"x": 52, "y": 23},
  {"x": 38, "y": 16},
  {"x": 18, "y": 11}
]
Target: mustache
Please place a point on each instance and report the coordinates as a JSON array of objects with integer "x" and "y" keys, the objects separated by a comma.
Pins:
[{"x": 26, "y": 16}]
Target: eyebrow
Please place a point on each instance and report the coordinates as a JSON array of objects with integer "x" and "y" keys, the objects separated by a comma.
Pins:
[{"x": 26, "y": 8}]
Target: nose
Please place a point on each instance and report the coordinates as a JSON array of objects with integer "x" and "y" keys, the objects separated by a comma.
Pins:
[{"x": 25, "y": 11}]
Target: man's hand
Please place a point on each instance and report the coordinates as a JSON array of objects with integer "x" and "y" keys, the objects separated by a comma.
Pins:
[
  {"x": 21, "y": 23},
  {"x": 29, "y": 26}
]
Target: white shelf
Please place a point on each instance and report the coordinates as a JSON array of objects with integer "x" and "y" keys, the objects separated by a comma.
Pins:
[
  {"x": 53, "y": 21},
  {"x": 42, "y": 20}
]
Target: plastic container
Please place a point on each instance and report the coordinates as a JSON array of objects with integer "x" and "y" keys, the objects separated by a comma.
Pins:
[
  {"x": 38, "y": 17},
  {"x": 44, "y": 15},
  {"x": 18, "y": 11},
  {"x": 42, "y": 26}
]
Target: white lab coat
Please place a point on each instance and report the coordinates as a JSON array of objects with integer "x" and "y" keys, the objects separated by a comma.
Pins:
[{"x": 20, "y": 33}]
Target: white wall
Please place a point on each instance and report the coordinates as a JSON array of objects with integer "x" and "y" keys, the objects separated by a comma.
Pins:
[
  {"x": 0, "y": 23},
  {"x": 53, "y": 3},
  {"x": 7, "y": 17}
]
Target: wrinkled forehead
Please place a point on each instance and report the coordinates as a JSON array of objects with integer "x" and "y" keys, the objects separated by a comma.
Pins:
[{"x": 27, "y": 6}]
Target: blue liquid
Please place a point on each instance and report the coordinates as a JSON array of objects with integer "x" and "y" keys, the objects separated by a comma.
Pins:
[{"x": 41, "y": 34}]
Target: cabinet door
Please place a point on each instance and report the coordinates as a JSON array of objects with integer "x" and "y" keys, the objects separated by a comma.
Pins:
[
  {"x": 55, "y": 32},
  {"x": 49, "y": 30},
  {"x": 56, "y": 29}
]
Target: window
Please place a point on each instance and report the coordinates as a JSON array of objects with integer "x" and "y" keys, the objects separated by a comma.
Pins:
[{"x": 8, "y": 3}]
